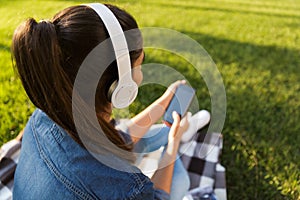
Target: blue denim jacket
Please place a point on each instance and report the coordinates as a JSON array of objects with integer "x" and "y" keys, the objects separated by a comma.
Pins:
[{"x": 53, "y": 166}]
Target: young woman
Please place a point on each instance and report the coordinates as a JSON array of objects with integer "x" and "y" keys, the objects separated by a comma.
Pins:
[{"x": 54, "y": 161}]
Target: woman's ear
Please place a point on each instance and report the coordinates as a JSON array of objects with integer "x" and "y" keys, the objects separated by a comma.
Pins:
[{"x": 137, "y": 74}]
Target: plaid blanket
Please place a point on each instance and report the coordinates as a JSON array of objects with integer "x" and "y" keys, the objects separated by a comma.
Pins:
[
  {"x": 9, "y": 156},
  {"x": 201, "y": 158}
]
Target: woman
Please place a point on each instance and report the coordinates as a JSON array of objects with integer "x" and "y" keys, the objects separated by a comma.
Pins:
[{"x": 54, "y": 161}]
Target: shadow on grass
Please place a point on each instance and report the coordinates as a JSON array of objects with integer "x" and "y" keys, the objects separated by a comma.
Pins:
[
  {"x": 275, "y": 59},
  {"x": 257, "y": 153},
  {"x": 4, "y": 48},
  {"x": 259, "y": 146}
]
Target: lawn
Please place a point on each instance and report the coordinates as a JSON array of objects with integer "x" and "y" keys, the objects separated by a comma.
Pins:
[{"x": 256, "y": 47}]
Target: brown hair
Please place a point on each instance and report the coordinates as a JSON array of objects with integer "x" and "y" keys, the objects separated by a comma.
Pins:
[{"x": 48, "y": 55}]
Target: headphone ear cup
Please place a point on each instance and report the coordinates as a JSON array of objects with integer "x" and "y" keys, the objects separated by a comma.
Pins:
[
  {"x": 124, "y": 94},
  {"x": 111, "y": 90}
]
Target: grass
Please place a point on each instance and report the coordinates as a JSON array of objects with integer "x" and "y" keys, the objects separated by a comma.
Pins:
[{"x": 256, "y": 47}]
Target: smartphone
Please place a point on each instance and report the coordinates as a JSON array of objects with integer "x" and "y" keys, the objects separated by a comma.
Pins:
[{"x": 180, "y": 103}]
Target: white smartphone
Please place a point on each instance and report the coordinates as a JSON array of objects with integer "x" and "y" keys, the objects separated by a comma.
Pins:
[{"x": 180, "y": 103}]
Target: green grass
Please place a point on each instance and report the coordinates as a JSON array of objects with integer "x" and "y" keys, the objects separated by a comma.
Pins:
[{"x": 256, "y": 47}]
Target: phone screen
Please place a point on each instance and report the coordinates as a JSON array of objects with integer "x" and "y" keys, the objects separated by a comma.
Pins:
[{"x": 180, "y": 102}]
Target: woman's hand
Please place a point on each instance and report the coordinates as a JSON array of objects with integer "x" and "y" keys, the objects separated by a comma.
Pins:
[
  {"x": 162, "y": 178},
  {"x": 178, "y": 127},
  {"x": 141, "y": 123}
]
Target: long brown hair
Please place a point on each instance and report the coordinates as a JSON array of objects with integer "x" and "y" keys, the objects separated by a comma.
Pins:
[{"x": 48, "y": 55}]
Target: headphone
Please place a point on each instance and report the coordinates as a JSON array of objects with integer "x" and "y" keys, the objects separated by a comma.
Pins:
[{"x": 123, "y": 92}]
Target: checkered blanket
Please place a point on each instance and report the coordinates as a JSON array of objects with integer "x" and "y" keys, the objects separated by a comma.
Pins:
[
  {"x": 9, "y": 156},
  {"x": 201, "y": 158}
]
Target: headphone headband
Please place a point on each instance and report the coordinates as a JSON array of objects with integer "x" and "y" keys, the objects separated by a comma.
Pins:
[
  {"x": 126, "y": 90},
  {"x": 117, "y": 36}
]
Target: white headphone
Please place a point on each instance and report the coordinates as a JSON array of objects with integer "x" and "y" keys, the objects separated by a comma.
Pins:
[{"x": 126, "y": 90}]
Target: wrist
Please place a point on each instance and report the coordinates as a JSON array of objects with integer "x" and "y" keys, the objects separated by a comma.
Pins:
[
  {"x": 164, "y": 101},
  {"x": 172, "y": 147}
]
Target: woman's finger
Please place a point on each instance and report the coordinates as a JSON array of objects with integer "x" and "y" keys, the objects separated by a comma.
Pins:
[
  {"x": 175, "y": 125},
  {"x": 176, "y": 118},
  {"x": 173, "y": 86}
]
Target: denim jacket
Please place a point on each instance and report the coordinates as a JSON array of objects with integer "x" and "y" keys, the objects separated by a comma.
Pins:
[{"x": 53, "y": 166}]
